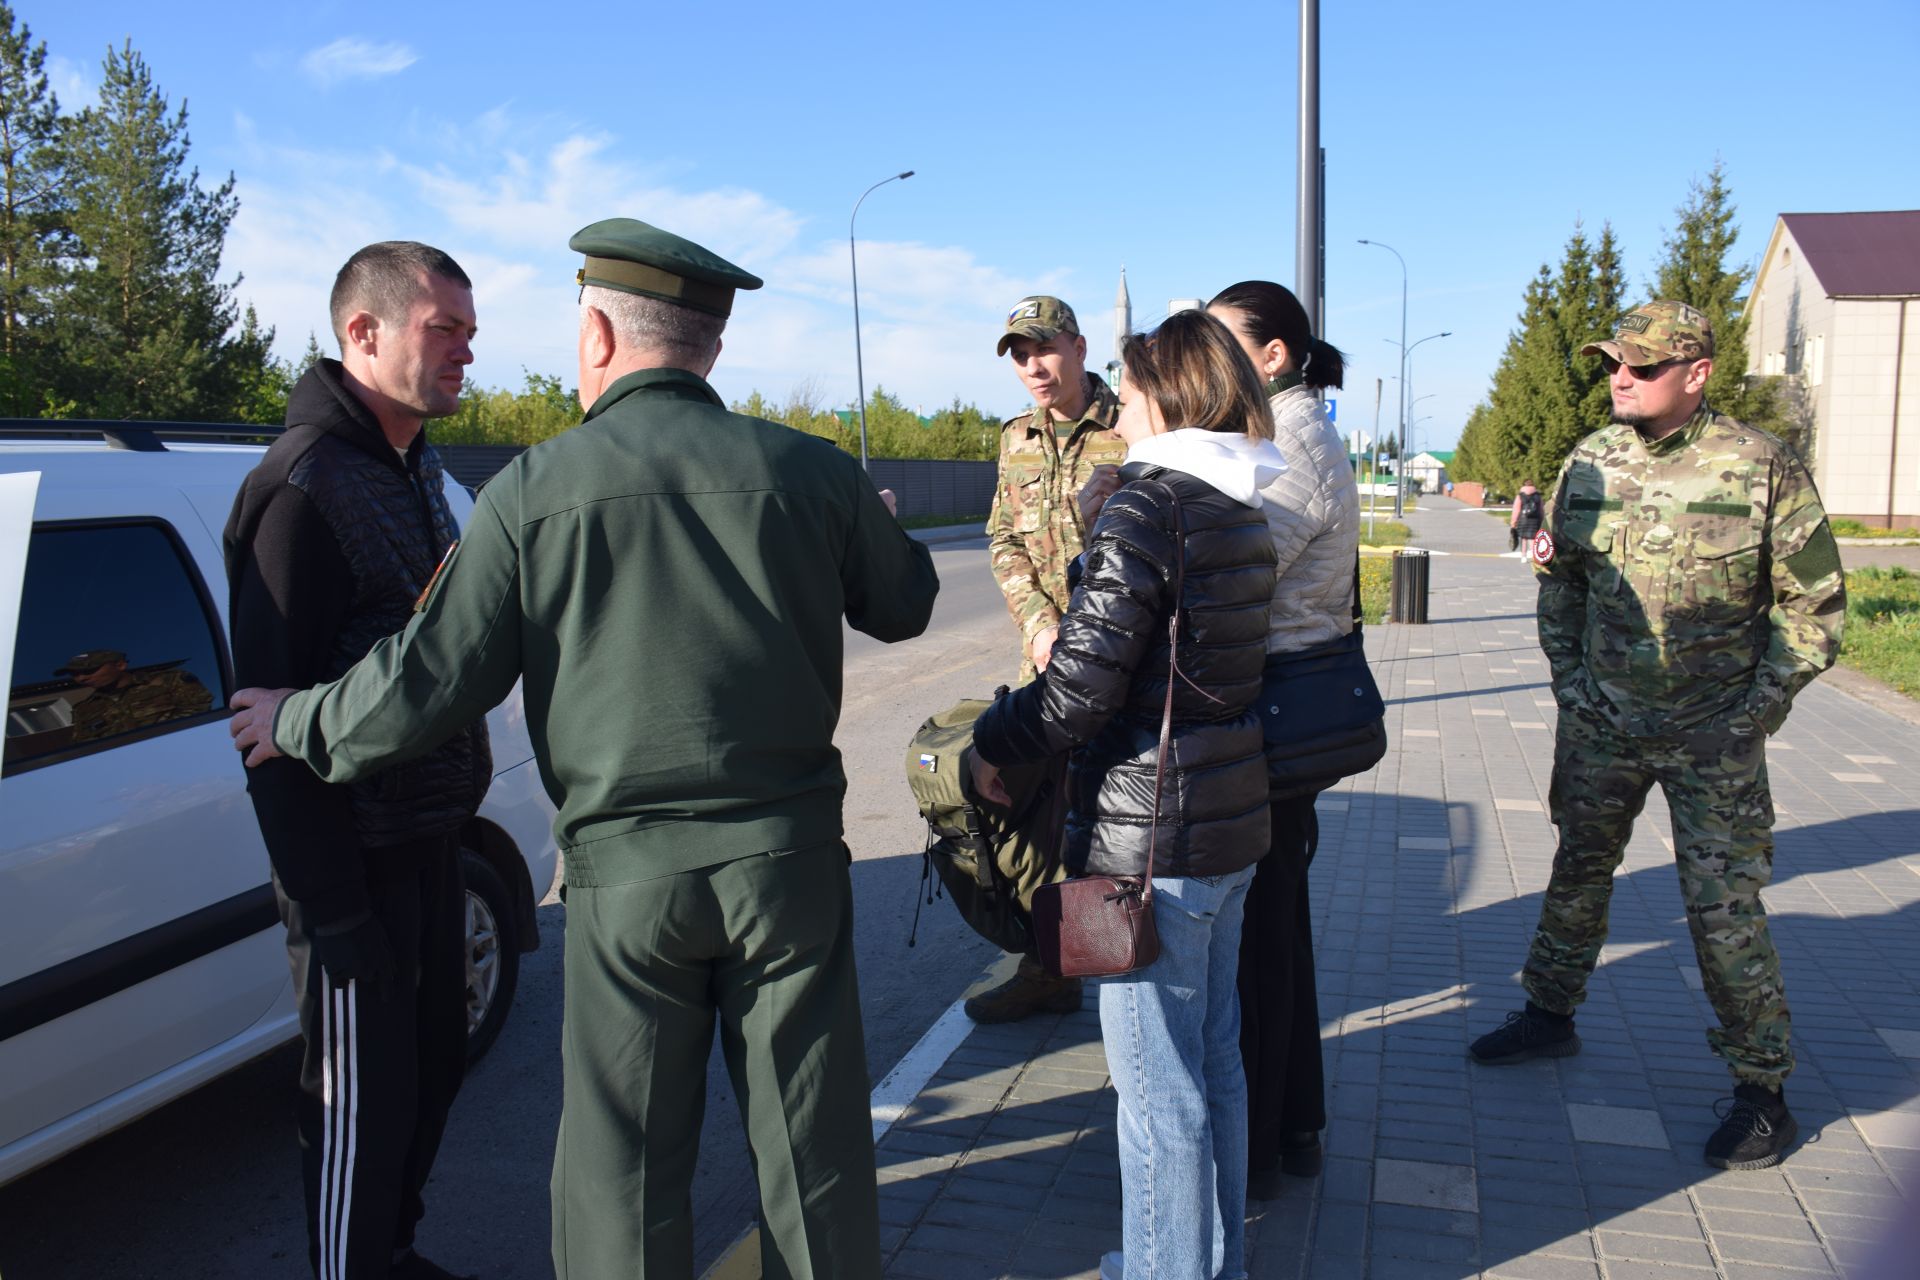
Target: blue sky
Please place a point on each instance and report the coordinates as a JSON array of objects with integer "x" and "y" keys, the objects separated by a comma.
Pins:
[{"x": 1052, "y": 145}]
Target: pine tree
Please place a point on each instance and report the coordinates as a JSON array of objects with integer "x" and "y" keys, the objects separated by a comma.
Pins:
[
  {"x": 1696, "y": 271},
  {"x": 29, "y": 214},
  {"x": 146, "y": 327}
]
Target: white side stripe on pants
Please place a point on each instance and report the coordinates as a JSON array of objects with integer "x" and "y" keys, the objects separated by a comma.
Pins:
[{"x": 340, "y": 1106}]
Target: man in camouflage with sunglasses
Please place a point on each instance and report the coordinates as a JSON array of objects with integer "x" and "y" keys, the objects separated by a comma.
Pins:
[{"x": 1689, "y": 587}]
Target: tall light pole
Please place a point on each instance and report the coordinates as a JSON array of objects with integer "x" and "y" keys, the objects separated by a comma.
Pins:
[
  {"x": 1405, "y": 365},
  {"x": 859, "y": 371},
  {"x": 1399, "y": 495},
  {"x": 1310, "y": 206}
]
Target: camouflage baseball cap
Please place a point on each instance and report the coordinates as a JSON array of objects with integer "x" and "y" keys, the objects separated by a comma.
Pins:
[
  {"x": 1039, "y": 318},
  {"x": 92, "y": 660},
  {"x": 1664, "y": 330}
]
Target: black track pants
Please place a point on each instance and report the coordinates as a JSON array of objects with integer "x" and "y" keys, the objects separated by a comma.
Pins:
[
  {"x": 382, "y": 1065},
  {"x": 1279, "y": 1013}
]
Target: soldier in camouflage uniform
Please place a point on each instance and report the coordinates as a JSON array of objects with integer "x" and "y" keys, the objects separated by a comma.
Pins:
[
  {"x": 1047, "y": 456},
  {"x": 124, "y": 700},
  {"x": 1689, "y": 587}
]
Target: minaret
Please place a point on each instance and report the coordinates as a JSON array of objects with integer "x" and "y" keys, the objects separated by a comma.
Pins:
[{"x": 1122, "y": 326}]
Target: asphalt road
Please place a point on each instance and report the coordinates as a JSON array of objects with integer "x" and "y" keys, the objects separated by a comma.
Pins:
[{"x": 209, "y": 1186}]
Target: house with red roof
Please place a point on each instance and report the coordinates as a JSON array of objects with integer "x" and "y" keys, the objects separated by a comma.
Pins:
[{"x": 1835, "y": 308}]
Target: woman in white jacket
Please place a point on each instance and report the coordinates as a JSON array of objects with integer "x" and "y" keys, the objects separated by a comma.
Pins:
[{"x": 1313, "y": 512}]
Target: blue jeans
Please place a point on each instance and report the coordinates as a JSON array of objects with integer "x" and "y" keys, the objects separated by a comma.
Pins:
[{"x": 1172, "y": 1034}]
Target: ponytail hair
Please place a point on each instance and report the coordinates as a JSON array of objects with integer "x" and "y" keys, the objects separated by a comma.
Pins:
[{"x": 1271, "y": 312}]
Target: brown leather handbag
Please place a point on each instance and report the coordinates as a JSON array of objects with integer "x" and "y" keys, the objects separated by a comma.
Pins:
[{"x": 1102, "y": 926}]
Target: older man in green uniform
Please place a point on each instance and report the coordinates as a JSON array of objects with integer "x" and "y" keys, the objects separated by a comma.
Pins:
[
  {"x": 669, "y": 580},
  {"x": 1047, "y": 456},
  {"x": 1689, "y": 588}
]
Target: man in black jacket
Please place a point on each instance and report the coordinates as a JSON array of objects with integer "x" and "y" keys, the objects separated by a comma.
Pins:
[{"x": 332, "y": 539}]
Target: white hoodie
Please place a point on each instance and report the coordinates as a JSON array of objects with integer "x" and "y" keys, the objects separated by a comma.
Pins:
[{"x": 1236, "y": 464}]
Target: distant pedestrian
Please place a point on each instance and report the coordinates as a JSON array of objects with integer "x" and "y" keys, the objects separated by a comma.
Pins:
[
  {"x": 1529, "y": 511},
  {"x": 1689, "y": 588},
  {"x": 1196, "y": 424},
  {"x": 671, "y": 583},
  {"x": 1047, "y": 456},
  {"x": 1313, "y": 513}
]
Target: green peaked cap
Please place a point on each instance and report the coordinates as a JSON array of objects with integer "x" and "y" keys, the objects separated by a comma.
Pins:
[{"x": 633, "y": 257}]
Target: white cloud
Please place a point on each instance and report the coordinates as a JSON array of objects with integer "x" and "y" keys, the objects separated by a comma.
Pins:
[
  {"x": 352, "y": 58},
  {"x": 70, "y": 83},
  {"x": 929, "y": 313}
]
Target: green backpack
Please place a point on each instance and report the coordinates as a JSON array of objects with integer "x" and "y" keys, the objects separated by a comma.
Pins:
[{"x": 988, "y": 858}]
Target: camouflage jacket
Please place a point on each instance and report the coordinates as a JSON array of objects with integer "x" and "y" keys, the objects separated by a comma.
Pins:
[
  {"x": 148, "y": 698},
  {"x": 1035, "y": 529},
  {"x": 1687, "y": 576}
]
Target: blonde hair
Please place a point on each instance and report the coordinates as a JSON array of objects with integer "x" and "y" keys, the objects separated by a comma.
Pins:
[{"x": 1194, "y": 371}]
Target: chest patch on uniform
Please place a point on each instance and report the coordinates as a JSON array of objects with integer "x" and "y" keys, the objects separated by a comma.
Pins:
[{"x": 1541, "y": 547}]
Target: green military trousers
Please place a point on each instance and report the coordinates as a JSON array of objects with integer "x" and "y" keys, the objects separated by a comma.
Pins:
[
  {"x": 1715, "y": 778},
  {"x": 766, "y": 944}
]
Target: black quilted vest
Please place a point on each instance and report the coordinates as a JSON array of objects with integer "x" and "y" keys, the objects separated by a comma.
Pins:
[{"x": 393, "y": 524}]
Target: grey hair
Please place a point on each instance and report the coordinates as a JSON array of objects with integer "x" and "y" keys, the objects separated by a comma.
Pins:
[
  {"x": 653, "y": 324},
  {"x": 384, "y": 279}
]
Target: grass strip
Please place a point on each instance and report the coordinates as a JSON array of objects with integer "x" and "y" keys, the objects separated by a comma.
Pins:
[{"x": 1883, "y": 627}]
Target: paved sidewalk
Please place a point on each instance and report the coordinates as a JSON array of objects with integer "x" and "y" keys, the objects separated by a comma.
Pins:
[{"x": 1426, "y": 888}]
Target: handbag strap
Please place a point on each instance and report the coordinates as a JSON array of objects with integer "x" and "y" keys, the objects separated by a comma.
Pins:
[
  {"x": 1173, "y": 675},
  {"x": 1356, "y": 593}
]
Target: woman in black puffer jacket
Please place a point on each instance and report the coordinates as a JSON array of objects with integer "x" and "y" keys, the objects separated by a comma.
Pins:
[{"x": 1197, "y": 424}]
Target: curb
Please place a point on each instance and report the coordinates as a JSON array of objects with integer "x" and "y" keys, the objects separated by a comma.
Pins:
[
  {"x": 891, "y": 1098},
  {"x": 1880, "y": 696},
  {"x": 948, "y": 533}
]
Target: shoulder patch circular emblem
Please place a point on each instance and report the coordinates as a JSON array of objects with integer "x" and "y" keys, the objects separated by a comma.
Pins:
[{"x": 1542, "y": 547}]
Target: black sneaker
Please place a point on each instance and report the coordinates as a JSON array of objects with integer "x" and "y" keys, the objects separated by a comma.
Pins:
[
  {"x": 1525, "y": 1035},
  {"x": 1755, "y": 1129}
]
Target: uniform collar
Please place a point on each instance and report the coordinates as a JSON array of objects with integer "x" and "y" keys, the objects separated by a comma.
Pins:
[
  {"x": 1103, "y": 408},
  {"x": 681, "y": 384},
  {"x": 1686, "y": 435}
]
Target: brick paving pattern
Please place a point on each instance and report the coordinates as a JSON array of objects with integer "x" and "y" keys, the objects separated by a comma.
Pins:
[{"x": 1426, "y": 888}]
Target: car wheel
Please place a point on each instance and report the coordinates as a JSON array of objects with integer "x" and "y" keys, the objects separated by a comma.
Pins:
[{"x": 493, "y": 953}]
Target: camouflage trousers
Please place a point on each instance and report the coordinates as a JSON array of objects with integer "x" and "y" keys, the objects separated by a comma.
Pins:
[{"x": 1716, "y": 786}]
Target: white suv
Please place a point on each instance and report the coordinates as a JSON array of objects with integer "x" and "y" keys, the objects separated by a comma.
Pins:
[{"x": 141, "y": 953}]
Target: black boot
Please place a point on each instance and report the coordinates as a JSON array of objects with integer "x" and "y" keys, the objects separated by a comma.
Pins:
[{"x": 1755, "y": 1129}]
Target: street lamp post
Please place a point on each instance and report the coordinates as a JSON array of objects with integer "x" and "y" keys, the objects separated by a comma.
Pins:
[
  {"x": 1406, "y": 364},
  {"x": 859, "y": 371},
  {"x": 1399, "y": 494}
]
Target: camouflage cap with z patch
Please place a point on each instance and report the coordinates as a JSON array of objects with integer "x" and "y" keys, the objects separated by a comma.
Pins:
[{"x": 1040, "y": 318}]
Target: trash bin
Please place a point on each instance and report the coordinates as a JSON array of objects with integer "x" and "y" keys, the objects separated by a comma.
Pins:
[{"x": 1409, "y": 585}]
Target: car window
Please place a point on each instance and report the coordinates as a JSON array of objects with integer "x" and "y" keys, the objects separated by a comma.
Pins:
[{"x": 117, "y": 642}]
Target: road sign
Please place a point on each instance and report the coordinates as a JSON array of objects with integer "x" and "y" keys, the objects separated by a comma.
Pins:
[{"x": 1331, "y": 415}]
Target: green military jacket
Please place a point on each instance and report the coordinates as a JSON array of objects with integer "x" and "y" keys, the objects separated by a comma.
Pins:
[
  {"x": 1687, "y": 576},
  {"x": 669, "y": 580},
  {"x": 1035, "y": 530}
]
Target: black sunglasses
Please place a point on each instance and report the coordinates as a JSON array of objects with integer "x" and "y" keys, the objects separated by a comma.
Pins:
[{"x": 1640, "y": 372}]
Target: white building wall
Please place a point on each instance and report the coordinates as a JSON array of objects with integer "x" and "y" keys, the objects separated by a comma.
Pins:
[
  {"x": 1843, "y": 353},
  {"x": 1858, "y": 439}
]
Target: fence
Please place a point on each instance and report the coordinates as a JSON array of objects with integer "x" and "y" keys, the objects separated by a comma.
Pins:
[{"x": 924, "y": 486}]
